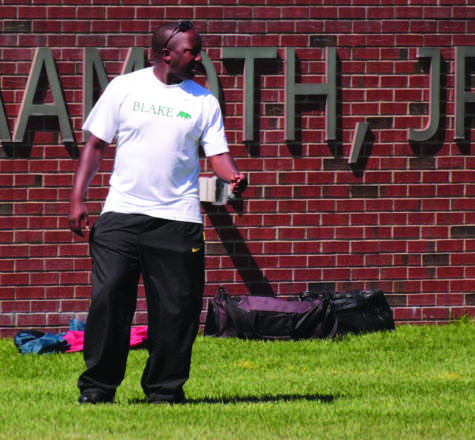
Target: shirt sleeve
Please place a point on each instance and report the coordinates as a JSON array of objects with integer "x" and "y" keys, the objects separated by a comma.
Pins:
[
  {"x": 213, "y": 139},
  {"x": 103, "y": 120}
]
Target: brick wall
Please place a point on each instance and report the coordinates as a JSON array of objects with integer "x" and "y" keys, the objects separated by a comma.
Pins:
[{"x": 401, "y": 217}]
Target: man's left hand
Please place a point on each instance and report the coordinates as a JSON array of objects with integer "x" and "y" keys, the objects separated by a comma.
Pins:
[{"x": 238, "y": 184}]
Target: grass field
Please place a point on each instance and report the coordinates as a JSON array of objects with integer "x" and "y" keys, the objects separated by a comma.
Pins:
[{"x": 414, "y": 383}]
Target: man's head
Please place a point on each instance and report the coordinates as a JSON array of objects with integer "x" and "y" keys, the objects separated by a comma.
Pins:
[{"x": 176, "y": 49}]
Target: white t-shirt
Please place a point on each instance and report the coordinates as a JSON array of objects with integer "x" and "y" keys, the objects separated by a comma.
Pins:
[{"x": 158, "y": 130}]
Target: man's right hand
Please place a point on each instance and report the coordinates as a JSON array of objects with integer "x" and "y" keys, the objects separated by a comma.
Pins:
[
  {"x": 78, "y": 218},
  {"x": 89, "y": 164}
]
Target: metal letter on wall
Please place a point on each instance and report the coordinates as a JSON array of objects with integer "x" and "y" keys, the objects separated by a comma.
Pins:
[
  {"x": 4, "y": 131},
  {"x": 357, "y": 144},
  {"x": 293, "y": 89},
  {"x": 249, "y": 54},
  {"x": 93, "y": 65},
  {"x": 461, "y": 96},
  {"x": 212, "y": 77},
  {"x": 135, "y": 60},
  {"x": 43, "y": 58},
  {"x": 433, "y": 125}
]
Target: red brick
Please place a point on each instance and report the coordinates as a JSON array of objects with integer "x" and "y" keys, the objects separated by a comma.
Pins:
[
  {"x": 437, "y": 12},
  {"x": 33, "y": 12},
  {"x": 394, "y": 273},
  {"x": 351, "y": 12},
  {"x": 379, "y": 12},
  {"x": 329, "y": 247},
  {"x": 462, "y": 285},
  {"x": 450, "y": 299},
  {"x": 30, "y": 320},
  {"x": 396, "y": 26},
  {"x": 176, "y": 13},
  {"x": 408, "y": 12},
  {"x": 435, "y": 313},
  {"x": 15, "y": 306},
  {"x": 74, "y": 306},
  {"x": 450, "y": 272},
  {"x": 58, "y": 292},
  {"x": 7, "y": 321},
  {"x": 322, "y": 12},
  {"x": 413, "y": 313},
  {"x": 323, "y": 261},
  {"x": 292, "y": 261},
  {"x": 44, "y": 306},
  {"x": 421, "y": 300},
  {"x": 280, "y": 247},
  {"x": 265, "y": 12},
  {"x": 378, "y": 260},
  {"x": 370, "y": 27},
  {"x": 460, "y": 312},
  {"x": 64, "y": 12}
]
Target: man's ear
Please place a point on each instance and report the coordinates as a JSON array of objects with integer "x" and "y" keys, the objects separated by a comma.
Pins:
[{"x": 165, "y": 53}]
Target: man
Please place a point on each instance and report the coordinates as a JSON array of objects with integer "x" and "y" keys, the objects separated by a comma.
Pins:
[{"x": 151, "y": 222}]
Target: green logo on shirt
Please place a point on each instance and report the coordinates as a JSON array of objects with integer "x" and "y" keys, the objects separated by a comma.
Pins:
[
  {"x": 159, "y": 110},
  {"x": 183, "y": 115}
]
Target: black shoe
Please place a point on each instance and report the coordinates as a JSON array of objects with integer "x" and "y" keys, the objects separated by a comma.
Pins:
[{"x": 93, "y": 397}]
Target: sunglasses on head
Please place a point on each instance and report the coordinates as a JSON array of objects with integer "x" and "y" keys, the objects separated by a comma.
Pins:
[{"x": 182, "y": 26}]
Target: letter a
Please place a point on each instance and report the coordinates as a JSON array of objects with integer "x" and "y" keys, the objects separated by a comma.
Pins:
[{"x": 43, "y": 58}]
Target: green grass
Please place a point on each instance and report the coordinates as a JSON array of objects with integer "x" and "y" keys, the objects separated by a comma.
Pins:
[{"x": 414, "y": 383}]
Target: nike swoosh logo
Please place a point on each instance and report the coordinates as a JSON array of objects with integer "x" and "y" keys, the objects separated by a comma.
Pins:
[{"x": 195, "y": 249}]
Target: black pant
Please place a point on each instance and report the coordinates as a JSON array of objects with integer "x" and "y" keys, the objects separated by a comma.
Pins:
[{"x": 170, "y": 257}]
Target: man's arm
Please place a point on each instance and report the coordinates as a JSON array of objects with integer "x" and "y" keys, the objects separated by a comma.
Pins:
[
  {"x": 89, "y": 164},
  {"x": 225, "y": 168}
]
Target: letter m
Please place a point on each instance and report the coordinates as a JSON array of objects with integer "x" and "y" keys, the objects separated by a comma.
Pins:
[{"x": 95, "y": 76}]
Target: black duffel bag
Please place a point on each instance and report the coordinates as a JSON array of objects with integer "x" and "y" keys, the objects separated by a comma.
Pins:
[
  {"x": 358, "y": 311},
  {"x": 268, "y": 317}
]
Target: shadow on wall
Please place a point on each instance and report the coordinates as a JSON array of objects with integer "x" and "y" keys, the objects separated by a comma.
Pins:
[{"x": 252, "y": 276}]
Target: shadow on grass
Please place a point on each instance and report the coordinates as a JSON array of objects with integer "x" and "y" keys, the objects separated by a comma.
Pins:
[
  {"x": 268, "y": 398},
  {"x": 255, "y": 399}
]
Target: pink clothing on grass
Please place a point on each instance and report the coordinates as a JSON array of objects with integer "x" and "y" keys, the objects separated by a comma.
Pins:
[{"x": 75, "y": 338}]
